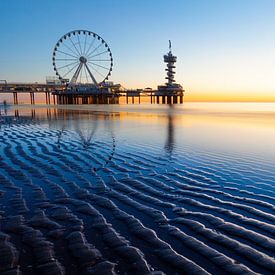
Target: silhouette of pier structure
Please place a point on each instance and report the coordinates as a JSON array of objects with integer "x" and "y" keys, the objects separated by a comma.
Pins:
[
  {"x": 103, "y": 93},
  {"x": 63, "y": 96},
  {"x": 32, "y": 89}
]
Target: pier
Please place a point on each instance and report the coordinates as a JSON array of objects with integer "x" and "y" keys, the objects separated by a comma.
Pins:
[
  {"x": 33, "y": 89},
  {"x": 59, "y": 94}
]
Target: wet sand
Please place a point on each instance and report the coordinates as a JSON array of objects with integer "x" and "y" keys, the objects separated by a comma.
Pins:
[{"x": 122, "y": 190}]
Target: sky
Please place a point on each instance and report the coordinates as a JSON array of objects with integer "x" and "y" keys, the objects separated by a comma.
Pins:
[{"x": 225, "y": 48}]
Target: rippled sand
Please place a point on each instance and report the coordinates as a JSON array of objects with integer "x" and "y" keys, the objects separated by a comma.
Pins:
[{"x": 137, "y": 190}]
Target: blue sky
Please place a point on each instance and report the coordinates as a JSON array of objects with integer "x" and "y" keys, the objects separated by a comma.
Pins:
[{"x": 224, "y": 47}]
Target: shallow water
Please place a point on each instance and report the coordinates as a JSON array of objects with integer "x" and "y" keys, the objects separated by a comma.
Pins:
[{"x": 138, "y": 188}]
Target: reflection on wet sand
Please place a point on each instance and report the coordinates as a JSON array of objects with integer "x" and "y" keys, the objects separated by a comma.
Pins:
[
  {"x": 170, "y": 140},
  {"x": 86, "y": 135}
]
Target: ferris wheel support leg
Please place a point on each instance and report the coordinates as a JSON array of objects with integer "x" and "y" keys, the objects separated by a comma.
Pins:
[
  {"x": 91, "y": 75},
  {"x": 76, "y": 74}
]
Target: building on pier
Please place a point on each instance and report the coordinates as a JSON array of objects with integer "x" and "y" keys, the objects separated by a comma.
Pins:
[{"x": 105, "y": 93}]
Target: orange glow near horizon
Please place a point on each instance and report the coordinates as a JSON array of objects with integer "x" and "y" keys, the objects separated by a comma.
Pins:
[{"x": 221, "y": 97}]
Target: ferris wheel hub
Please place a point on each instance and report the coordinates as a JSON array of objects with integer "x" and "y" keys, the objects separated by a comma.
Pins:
[{"x": 83, "y": 59}]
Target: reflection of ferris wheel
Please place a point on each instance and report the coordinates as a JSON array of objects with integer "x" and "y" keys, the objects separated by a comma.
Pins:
[{"x": 82, "y": 57}]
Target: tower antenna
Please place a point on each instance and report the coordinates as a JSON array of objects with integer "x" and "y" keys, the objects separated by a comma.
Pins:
[{"x": 170, "y": 45}]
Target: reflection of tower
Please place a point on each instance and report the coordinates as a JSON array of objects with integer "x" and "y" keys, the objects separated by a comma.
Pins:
[
  {"x": 170, "y": 59},
  {"x": 170, "y": 141}
]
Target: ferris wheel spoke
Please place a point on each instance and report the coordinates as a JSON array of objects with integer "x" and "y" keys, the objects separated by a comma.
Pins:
[
  {"x": 90, "y": 46},
  {"x": 68, "y": 65},
  {"x": 89, "y": 56},
  {"x": 74, "y": 46},
  {"x": 69, "y": 48},
  {"x": 98, "y": 71},
  {"x": 79, "y": 45},
  {"x": 70, "y": 70},
  {"x": 99, "y": 60},
  {"x": 67, "y": 53},
  {"x": 85, "y": 44},
  {"x": 91, "y": 75},
  {"x": 94, "y": 49},
  {"x": 99, "y": 65},
  {"x": 65, "y": 59}
]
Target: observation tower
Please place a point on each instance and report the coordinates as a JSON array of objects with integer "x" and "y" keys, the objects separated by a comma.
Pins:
[{"x": 171, "y": 88}]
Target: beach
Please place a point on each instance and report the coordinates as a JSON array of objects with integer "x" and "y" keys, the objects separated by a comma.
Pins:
[{"x": 137, "y": 189}]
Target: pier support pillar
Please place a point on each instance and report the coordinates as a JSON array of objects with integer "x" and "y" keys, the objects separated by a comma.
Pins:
[
  {"x": 163, "y": 99},
  {"x": 32, "y": 98},
  {"x": 15, "y": 98},
  {"x": 157, "y": 99},
  {"x": 181, "y": 99}
]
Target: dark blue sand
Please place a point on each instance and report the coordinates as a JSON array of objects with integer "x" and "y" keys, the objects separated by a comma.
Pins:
[{"x": 136, "y": 192}]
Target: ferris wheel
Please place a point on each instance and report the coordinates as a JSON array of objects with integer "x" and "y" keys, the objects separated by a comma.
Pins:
[{"x": 83, "y": 57}]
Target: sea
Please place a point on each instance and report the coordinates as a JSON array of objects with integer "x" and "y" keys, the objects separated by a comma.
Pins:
[{"x": 137, "y": 189}]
